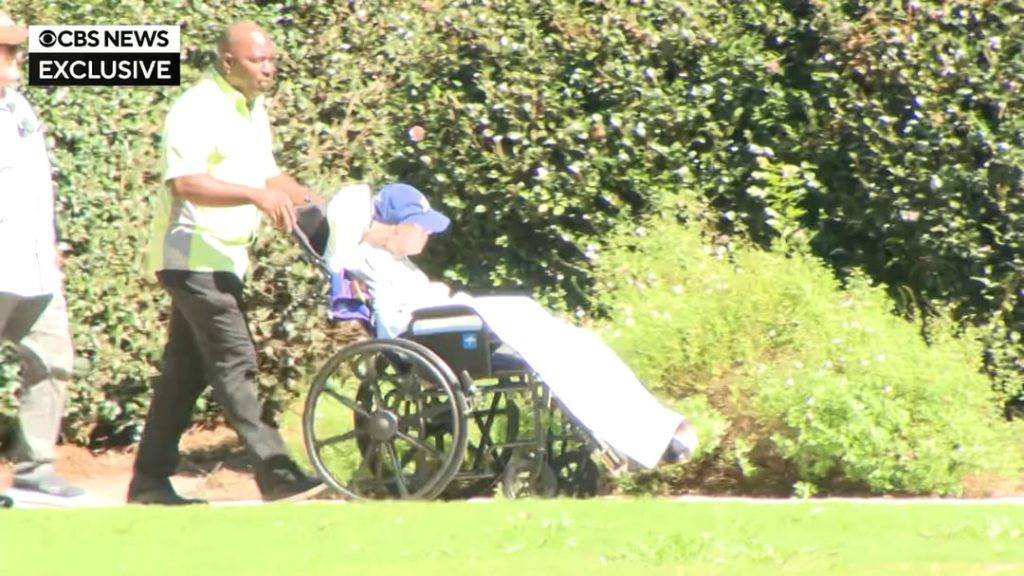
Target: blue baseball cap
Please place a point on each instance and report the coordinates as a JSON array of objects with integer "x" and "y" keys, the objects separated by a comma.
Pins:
[{"x": 401, "y": 203}]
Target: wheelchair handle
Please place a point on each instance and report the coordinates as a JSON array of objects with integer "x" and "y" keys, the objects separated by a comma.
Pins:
[{"x": 309, "y": 253}]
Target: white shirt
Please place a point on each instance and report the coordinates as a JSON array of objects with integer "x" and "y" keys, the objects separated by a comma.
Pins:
[
  {"x": 28, "y": 254},
  {"x": 396, "y": 285}
]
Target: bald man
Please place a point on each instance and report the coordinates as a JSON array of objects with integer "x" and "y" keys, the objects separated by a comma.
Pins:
[{"x": 221, "y": 179}]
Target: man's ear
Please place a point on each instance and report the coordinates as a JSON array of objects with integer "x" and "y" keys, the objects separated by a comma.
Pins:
[{"x": 227, "y": 60}]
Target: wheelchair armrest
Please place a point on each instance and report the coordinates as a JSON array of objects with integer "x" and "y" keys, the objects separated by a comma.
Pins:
[
  {"x": 443, "y": 311},
  {"x": 445, "y": 319}
]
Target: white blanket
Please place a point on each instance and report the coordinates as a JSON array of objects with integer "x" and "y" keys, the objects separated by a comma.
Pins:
[{"x": 591, "y": 381}]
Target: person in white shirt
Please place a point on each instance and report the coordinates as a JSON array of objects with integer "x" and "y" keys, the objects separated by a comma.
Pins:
[
  {"x": 373, "y": 238},
  {"x": 33, "y": 311}
]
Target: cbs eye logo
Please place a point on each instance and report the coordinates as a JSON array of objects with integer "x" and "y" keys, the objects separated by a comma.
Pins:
[{"x": 47, "y": 38}]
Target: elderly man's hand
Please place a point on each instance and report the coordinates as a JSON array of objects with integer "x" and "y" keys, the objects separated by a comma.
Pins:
[{"x": 277, "y": 205}]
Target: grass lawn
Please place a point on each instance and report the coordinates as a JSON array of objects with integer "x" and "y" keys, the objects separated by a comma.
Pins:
[{"x": 566, "y": 538}]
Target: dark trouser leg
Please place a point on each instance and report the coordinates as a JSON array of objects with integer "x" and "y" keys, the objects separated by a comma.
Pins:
[
  {"x": 174, "y": 397},
  {"x": 212, "y": 306}
]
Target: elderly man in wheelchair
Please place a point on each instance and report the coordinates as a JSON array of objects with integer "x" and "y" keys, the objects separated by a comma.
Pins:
[{"x": 457, "y": 393}]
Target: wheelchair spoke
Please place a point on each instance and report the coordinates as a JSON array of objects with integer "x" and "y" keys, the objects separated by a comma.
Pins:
[
  {"x": 384, "y": 420},
  {"x": 369, "y": 456},
  {"x": 362, "y": 475},
  {"x": 372, "y": 463},
  {"x": 378, "y": 463},
  {"x": 419, "y": 444},
  {"x": 340, "y": 438},
  {"x": 402, "y": 489},
  {"x": 428, "y": 413},
  {"x": 423, "y": 417},
  {"x": 348, "y": 403},
  {"x": 374, "y": 386},
  {"x": 371, "y": 368},
  {"x": 358, "y": 366}
]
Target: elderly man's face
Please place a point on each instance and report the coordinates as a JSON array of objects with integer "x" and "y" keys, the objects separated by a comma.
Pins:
[
  {"x": 10, "y": 65},
  {"x": 250, "y": 63},
  {"x": 408, "y": 240}
]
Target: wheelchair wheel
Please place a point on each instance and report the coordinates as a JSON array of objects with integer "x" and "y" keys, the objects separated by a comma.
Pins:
[
  {"x": 577, "y": 474},
  {"x": 528, "y": 477},
  {"x": 385, "y": 419}
]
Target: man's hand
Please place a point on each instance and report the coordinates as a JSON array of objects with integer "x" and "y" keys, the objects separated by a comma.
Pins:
[
  {"x": 297, "y": 192},
  {"x": 278, "y": 207}
]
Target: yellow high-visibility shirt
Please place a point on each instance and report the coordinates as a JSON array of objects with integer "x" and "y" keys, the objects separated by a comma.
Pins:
[{"x": 211, "y": 130}]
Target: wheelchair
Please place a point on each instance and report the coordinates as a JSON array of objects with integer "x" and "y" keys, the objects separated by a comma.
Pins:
[{"x": 442, "y": 411}]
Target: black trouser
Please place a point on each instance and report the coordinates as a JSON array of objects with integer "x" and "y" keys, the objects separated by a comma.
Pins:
[{"x": 209, "y": 344}]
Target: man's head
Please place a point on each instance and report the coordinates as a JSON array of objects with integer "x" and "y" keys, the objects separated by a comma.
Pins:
[
  {"x": 247, "y": 58},
  {"x": 12, "y": 37},
  {"x": 407, "y": 209}
]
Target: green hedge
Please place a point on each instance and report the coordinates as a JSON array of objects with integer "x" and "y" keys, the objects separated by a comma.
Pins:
[
  {"x": 887, "y": 140},
  {"x": 796, "y": 384}
]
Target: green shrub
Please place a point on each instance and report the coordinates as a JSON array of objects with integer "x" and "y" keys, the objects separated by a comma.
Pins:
[
  {"x": 819, "y": 385},
  {"x": 887, "y": 137}
]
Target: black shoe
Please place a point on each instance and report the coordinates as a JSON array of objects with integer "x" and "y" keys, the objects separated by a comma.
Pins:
[
  {"x": 143, "y": 490},
  {"x": 280, "y": 478}
]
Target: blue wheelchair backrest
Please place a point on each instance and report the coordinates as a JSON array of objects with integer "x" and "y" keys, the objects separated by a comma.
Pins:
[{"x": 349, "y": 299}]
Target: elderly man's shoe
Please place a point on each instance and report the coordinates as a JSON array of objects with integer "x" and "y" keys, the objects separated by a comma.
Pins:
[{"x": 682, "y": 446}]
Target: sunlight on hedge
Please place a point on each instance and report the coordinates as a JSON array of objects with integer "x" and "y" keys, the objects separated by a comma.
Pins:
[
  {"x": 792, "y": 376},
  {"x": 887, "y": 134}
]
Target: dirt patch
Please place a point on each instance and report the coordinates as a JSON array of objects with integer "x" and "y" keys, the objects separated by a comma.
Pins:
[
  {"x": 214, "y": 466},
  {"x": 991, "y": 486}
]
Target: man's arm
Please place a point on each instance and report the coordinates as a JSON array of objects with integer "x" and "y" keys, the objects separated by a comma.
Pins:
[
  {"x": 205, "y": 190},
  {"x": 298, "y": 193},
  {"x": 188, "y": 144}
]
